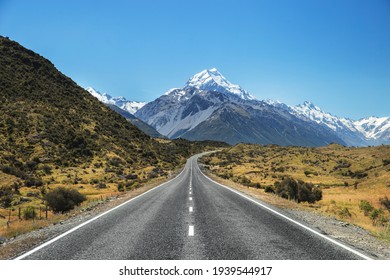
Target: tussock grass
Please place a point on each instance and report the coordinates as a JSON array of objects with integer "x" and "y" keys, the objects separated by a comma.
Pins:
[{"x": 346, "y": 176}]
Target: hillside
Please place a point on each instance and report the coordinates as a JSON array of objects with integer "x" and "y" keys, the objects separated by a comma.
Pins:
[
  {"x": 144, "y": 127},
  {"x": 355, "y": 182}
]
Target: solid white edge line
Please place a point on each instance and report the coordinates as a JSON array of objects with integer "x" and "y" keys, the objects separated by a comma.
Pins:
[
  {"x": 289, "y": 219},
  {"x": 191, "y": 231},
  {"x": 91, "y": 220}
]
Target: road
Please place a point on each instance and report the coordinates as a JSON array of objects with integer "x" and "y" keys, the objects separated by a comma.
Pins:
[{"x": 192, "y": 217}]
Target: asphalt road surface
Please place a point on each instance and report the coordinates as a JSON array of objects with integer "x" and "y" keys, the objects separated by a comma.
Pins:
[{"x": 192, "y": 217}]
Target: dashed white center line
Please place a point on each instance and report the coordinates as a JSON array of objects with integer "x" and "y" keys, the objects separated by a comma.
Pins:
[
  {"x": 191, "y": 209},
  {"x": 190, "y": 198},
  {"x": 190, "y": 192},
  {"x": 191, "y": 231}
]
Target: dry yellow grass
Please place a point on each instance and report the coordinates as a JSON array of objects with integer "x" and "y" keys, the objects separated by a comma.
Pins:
[
  {"x": 346, "y": 175},
  {"x": 94, "y": 198}
]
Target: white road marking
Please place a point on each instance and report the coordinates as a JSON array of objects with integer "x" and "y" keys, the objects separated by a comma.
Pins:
[
  {"x": 190, "y": 192},
  {"x": 191, "y": 231},
  {"x": 190, "y": 198},
  {"x": 91, "y": 220},
  {"x": 191, "y": 209},
  {"x": 289, "y": 219}
]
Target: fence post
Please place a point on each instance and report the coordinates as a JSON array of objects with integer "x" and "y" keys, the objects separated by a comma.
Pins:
[
  {"x": 46, "y": 212},
  {"x": 19, "y": 214},
  {"x": 9, "y": 215}
]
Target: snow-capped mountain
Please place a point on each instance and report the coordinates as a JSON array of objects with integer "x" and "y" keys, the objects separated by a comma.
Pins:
[
  {"x": 367, "y": 131},
  {"x": 376, "y": 129},
  {"x": 121, "y": 102},
  {"x": 209, "y": 107},
  {"x": 212, "y": 80}
]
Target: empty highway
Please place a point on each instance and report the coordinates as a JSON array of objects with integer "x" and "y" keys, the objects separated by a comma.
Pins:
[{"x": 192, "y": 217}]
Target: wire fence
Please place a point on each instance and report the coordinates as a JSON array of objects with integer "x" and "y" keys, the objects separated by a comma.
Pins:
[{"x": 44, "y": 212}]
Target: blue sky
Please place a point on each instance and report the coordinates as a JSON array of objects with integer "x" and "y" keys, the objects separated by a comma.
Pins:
[{"x": 335, "y": 53}]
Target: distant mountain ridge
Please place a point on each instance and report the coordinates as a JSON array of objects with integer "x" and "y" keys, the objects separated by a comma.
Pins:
[
  {"x": 210, "y": 107},
  {"x": 121, "y": 102},
  {"x": 144, "y": 127},
  {"x": 363, "y": 132}
]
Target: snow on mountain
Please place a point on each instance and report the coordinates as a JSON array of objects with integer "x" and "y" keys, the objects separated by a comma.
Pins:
[
  {"x": 316, "y": 114},
  {"x": 374, "y": 128},
  {"x": 367, "y": 131},
  {"x": 121, "y": 102},
  {"x": 211, "y": 108},
  {"x": 213, "y": 80}
]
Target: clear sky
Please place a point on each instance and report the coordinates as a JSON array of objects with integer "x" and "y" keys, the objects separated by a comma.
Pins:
[{"x": 335, "y": 53}]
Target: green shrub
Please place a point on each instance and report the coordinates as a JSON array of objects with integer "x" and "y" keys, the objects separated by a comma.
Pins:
[
  {"x": 377, "y": 217},
  {"x": 269, "y": 189},
  {"x": 6, "y": 196},
  {"x": 46, "y": 169},
  {"x": 344, "y": 213},
  {"x": 101, "y": 186},
  {"x": 33, "y": 182},
  {"x": 29, "y": 213},
  {"x": 121, "y": 187},
  {"x": 366, "y": 207},
  {"x": 63, "y": 200},
  {"x": 298, "y": 190}
]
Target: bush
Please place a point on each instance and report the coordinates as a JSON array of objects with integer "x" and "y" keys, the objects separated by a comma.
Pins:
[
  {"x": 366, "y": 207},
  {"x": 101, "y": 186},
  {"x": 46, "y": 169},
  {"x": 31, "y": 182},
  {"x": 6, "y": 197},
  {"x": 298, "y": 190},
  {"x": 269, "y": 189},
  {"x": 377, "y": 217},
  {"x": 62, "y": 199},
  {"x": 385, "y": 202},
  {"x": 121, "y": 187},
  {"x": 344, "y": 213},
  {"x": 29, "y": 213}
]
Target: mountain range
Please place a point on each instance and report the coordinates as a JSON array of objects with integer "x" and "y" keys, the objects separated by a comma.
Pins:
[{"x": 209, "y": 107}]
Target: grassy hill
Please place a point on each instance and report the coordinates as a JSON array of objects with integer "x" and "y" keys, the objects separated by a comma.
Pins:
[
  {"x": 354, "y": 181},
  {"x": 54, "y": 133}
]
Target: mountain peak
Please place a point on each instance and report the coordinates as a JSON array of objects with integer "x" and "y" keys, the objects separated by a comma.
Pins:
[{"x": 212, "y": 79}]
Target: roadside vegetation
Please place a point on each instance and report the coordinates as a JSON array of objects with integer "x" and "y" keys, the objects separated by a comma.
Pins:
[{"x": 351, "y": 184}]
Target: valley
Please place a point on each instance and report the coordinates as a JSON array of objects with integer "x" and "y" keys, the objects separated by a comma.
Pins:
[{"x": 66, "y": 151}]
